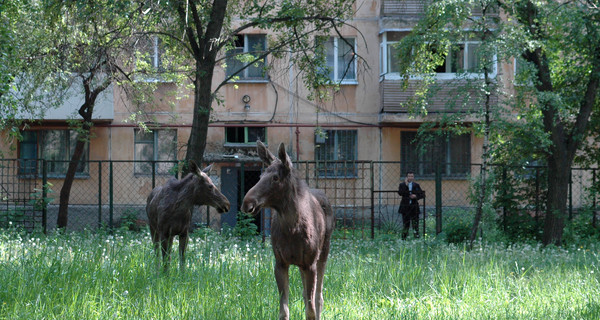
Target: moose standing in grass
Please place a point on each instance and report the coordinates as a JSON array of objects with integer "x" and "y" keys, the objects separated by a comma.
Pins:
[
  {"x": 169, "y": 208},
  {"x": 300, "y": 230}
]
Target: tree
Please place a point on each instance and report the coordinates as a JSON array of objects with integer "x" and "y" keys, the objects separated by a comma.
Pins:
[
  {"x": 92, "y": 44},
  {"x": 204, "y": 29},
  {"x": 562, "y": 50},
  {"x": 27, "y": 87},
  {"x": 557, "y": 47},
  {"x": 431, "y": 45}
]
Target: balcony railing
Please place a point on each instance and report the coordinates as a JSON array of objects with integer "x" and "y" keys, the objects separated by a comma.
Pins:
[
  {"x": 415, "y": 9},
  {"x": 443, "y": 97}
]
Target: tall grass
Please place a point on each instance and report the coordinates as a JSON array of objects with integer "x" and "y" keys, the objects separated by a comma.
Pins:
[{"x": 102, "y": 276}]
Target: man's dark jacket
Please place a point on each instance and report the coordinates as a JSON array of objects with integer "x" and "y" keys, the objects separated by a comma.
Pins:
[{"x": 406, "y": 207}]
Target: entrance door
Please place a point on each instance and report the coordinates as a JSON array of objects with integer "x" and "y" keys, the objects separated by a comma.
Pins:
[{"x": 236, "y": 182}]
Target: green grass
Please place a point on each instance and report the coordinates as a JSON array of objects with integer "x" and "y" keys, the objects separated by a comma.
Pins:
[{"x": 99, "y": 276}]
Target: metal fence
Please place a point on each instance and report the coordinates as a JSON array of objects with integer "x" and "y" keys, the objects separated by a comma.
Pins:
[{"x": 363, "y": 194}]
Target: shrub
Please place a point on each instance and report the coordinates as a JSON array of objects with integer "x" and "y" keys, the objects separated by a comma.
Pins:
[
  {"x": 457, "y": 225},
  {"x": 245, "y": 228}
]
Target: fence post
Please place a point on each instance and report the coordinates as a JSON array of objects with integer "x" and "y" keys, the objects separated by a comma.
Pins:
[
  {"x": 537, "y": 193},
  {"x": 154, "y": 174},
  {"x": 110, "y": 194},
  {"x": 438, "y": 198},
  {"x": 571, "y": 194},
  {"x": 424, "y": 214},
  {"x": 372, "y": 200},
  {"x": 44, "y": 197},
  {"x": 594, "y": 198},
  {"x": 504, "y": 196},
  {"x": 99, "y": 194}
]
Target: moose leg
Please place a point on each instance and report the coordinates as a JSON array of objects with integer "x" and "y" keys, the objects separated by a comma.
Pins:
[
  {"x": 183, "y": 240},
  {"x": 155, "y": 240},
  {"x": 309, "y": 280},
  {"x": 320, "y": 274},
  {"x": 166, "y": 243},
  {"x": 283, "y": 285}
]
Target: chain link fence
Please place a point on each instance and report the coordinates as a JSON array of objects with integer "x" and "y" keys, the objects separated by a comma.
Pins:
[{"x": 108, "y": 194}]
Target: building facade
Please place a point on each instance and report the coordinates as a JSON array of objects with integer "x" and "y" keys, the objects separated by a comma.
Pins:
[{"x": 364, "y": 120}]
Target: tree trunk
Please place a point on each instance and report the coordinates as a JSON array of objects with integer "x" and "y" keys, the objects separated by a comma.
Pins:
[
  {"x": 556, "y": 203},
  {"x": 202, "y": 106},
  {"x": 65, "y": 191},
  {"x": 205, "y": 54}
]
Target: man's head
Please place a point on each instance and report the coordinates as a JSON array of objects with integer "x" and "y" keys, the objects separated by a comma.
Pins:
[{"x": 410, "y": 176}]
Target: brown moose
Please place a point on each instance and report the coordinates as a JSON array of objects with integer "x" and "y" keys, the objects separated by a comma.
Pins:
[
  {"x": 300, "y": 230},
  {"x": 169, "y": 209}
]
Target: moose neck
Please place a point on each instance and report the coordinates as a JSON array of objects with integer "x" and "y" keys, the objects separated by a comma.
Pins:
[
  {"x": 186, "y": 187},
  {"x": 287, "y": 206}
]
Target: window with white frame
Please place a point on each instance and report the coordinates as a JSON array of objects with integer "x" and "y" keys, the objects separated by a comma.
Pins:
[
  {"x": 463, "y": 57},
  {"x": 340, "y": 59},
  {"x": 54, "y": 146},
  {"x": 335, "y": 153},
  {"x": 158, "y": 146},
  {"x": 451, "y": 152},
  {"x": 246, "y": 49}
]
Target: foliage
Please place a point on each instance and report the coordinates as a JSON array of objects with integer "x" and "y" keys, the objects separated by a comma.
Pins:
[
  {"x": 553, "y": 100},
  {"x": 457, "y": 225},
  {"x": 245, "y": 228},
  {"x": 579, "y": 231},
  {"x": 130, "y": 220}
]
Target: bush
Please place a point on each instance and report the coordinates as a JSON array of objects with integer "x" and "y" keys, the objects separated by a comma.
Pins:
[
  {"x": 579, "y": 230},
  {"x": 457, "y": 225},
  {"x": 245, "y": 228},
  {"x": 519, "y": 226}
]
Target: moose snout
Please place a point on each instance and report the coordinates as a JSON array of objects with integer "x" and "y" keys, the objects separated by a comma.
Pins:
[
  {"x": 249, "y": 206},
  {"x": 224, "y": 207}
]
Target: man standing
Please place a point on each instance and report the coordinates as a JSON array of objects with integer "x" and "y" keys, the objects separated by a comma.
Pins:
[{"x": 411, "y": 193}]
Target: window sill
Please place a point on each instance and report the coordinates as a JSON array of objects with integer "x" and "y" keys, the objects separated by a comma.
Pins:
[
  {"x": 248, "y": 81},
  {"x": 52, "y": 176},
  {"x": 242, "y": 145},
  {"x": 438, "y": 76},
  {"x": 348, "y": 83}
]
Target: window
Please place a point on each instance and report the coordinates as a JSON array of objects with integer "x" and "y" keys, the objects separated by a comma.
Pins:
[
  {"x": 244, "y": 135},
  {"x": 246, "y": 49},
  {"x": 157, "y": 145},
  {"x": 389, "y": 54},
  {"x": 54, "y": 146},
  {"x": 523, "y": 72},
  {"x": 340, "y": 60},
  {"x": 335, "y": 153},
  {"x": 150, "y": 62},
  {"x": 464, "y": 57},
  {"x": 452, "y": 152}
]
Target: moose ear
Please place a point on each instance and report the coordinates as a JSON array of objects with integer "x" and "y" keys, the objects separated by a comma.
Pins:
[
  {"x": 208, "y": 168},
  {"x": 193, "y": 166},
  {"x": 285, "y": 159},
  {"x": 265, "y": 155}
]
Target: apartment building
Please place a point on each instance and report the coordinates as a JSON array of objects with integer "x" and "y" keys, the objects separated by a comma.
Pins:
[{"x": 364, "y": 120}]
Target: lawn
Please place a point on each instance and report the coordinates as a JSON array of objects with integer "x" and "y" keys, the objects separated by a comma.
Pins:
[{"x": 103, "y": 276}]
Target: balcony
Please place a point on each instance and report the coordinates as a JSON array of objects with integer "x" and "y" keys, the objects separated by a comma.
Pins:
[
  {"x": 408, "y": 9},
  {"x": 445, "y": 97},
  {"x": 413, "y": 9}
]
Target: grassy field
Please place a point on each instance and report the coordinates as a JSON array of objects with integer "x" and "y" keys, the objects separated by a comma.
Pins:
[{"x": 100, "y": 276}]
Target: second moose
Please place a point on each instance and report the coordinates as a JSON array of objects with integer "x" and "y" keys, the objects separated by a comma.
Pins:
[
  {"x": 169, "y": 209},
  {"x": 300, "y": 230}
]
